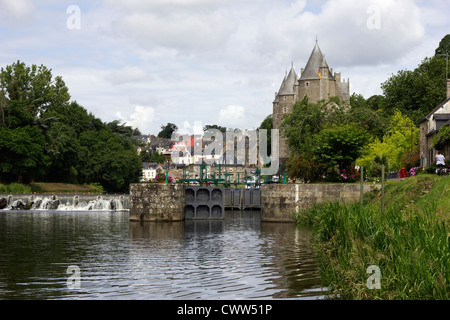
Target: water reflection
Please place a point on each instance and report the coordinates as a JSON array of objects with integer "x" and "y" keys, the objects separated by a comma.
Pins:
[{"x": 235, "y": 258}]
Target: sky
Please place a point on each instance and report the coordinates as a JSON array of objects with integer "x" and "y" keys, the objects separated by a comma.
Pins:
[{"x": 202, "y": 62}]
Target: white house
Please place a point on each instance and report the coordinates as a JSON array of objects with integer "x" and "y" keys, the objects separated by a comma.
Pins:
[{"x": 148, "y": 171}]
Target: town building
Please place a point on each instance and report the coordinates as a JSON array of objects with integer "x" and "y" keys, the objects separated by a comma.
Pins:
[{"x": 148, "y": 171}]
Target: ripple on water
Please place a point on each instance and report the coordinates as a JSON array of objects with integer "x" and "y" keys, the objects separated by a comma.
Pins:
[{"x": 238, "y": 258}]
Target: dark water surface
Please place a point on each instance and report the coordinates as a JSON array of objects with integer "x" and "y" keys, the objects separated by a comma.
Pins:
[{"x": 237, "y": 258}]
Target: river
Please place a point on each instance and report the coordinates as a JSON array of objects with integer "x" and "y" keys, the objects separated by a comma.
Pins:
[{"x": 113, "y": 258}]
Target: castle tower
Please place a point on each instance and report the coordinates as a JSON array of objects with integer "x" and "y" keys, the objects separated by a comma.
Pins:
[{"x": 316, "y": 81}]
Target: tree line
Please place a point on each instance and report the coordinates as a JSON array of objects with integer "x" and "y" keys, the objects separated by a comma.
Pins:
[{"x": 44, "y": 136}]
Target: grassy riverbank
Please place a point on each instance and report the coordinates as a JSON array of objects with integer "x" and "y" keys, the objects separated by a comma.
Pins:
[
  {"x": 410, "y": 242},
  {"x": 49, "y": 187}
]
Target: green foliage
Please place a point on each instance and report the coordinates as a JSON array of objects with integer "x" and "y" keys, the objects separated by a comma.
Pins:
[
  {"x": 158, "y": 158},
  {"x": 416, "y": 92},
  {"x": 300, "y": 126},
  {"x": 44, "y": 136},
  {"x": 22, "y": 155},
  {"x": 395, "y": 143},
  {"x": 145, "y": 155},
  {"x": 409, "y": 242},
  {"x": 305, "y": 166},
  {"x": 215, "y": 126},
  {"x": 15, "y": 188},
  {"x": 329, "y": 133},
  {"x": 107, "y": 159},
  {"x": 167, "y": 130},
  {"x": 340, "y": 145},
  {"x": 376, "y": 168},
  {"x": 442, "y": 138},
  {"x": 444, "y": 46}
]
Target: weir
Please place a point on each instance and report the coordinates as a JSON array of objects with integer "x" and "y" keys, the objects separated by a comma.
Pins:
[{"x": 66, "y": 202}]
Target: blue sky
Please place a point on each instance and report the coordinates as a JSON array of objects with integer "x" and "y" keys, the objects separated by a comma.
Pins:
[{"x": 148, "y": 63}]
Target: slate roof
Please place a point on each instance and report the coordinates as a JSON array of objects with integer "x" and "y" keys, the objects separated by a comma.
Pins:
[
  {"x": 287, "y": 87},
  {"x": 428, "y": 116},
  {"x": 316, "y": 61},
  {"x": 441, "y": 116}
]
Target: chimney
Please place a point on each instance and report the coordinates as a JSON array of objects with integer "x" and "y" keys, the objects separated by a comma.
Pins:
[{"x": 448, "y": 88}]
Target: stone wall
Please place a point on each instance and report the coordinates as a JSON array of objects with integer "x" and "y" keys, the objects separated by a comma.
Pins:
[
  {"x": 157, "y": 202},
  {"x": 280, "y": 201}
]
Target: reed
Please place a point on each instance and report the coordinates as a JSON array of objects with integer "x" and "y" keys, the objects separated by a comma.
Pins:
[{"x": 410, "y": 242}]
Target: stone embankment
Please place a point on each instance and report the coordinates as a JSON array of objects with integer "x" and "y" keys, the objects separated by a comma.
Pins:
[{"x": 280, "y": 201}]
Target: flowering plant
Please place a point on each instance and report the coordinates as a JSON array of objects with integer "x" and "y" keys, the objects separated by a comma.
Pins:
[
  {"x": 415, "y": 170},
  {"x": 350, "y": 174},
  {"x": 162, "y": 178}
]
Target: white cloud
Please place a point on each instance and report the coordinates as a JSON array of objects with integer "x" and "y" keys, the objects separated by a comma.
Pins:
[
  {"x": 343, "y": 32},
  {"x": 215, "y": 61},
  {"x": 143, "y": 118},
  {"x": 17, "y": 10},
  {"x": 232, "y": 116},
  {"x": 184, "y": 25},
  {"x": 128, "y": 74}
]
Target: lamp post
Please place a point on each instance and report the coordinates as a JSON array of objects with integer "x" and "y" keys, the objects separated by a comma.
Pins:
[{"x": 167, "y": 170}]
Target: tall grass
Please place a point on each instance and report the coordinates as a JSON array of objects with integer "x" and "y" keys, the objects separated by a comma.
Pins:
[
  {"x": 15, "y": 188},
  {"x": 410, "y": 242}
]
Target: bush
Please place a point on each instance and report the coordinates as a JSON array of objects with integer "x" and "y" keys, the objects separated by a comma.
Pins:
[
  {"x": 411, "y": 159},
  {"x": 305, "y": 167}
]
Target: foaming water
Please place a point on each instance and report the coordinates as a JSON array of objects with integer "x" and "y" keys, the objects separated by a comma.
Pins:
[{"x": 237, "y": 258}]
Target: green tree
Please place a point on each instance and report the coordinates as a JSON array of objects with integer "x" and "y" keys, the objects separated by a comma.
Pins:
[
  {"x": 306, "y": 167},
  {"x": 45, "y": 136},
  {"x": 300, "y": 126},
  {"x": 400, "y": 138},
  {"x": 22, "y": 155},
  {"x": 442, "y": 138},
  {"x": 416, "y": 92},
  {"x": 27, "y": 94},
  {"x": 215, "y": 126},
  {"x": 158, "y": 158},
  {"x": 108, "y": 160},
  {"x": 340, "y": 145},
  {"x": 167, "y": 130},
  {"x": 63, "y": 150},
  {"x": 145, "y": 155},
  {"x": 444, "y": 46}
]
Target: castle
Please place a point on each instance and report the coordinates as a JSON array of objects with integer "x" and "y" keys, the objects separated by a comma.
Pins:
[{"x": 317, "y": 81}]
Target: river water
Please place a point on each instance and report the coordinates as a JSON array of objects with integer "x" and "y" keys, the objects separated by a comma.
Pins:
[{"x": 235, "y": 258}]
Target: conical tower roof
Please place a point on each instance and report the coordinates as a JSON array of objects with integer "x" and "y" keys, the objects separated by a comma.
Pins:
[
  {"x": 315, "y": 62},
  {"x": 287, "y": 87}
]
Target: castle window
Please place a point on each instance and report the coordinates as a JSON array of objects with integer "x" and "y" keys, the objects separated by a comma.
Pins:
[
  {"x": 285, "y": 110},
  {"x": 307, "y": 84}
]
